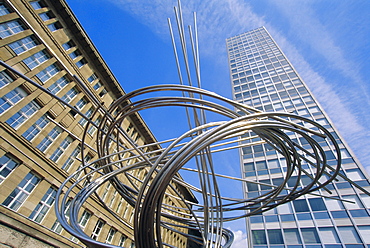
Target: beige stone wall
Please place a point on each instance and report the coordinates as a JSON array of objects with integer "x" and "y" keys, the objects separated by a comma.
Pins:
[
  {"x": 18, "y": 233},
  {"x": 17, "y": 229}
]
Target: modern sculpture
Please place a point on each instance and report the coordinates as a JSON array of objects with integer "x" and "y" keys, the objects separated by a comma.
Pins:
[{"x": 198, "y": 222}]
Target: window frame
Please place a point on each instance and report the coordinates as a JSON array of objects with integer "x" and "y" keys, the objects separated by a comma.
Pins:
[
  {"x": 22, "y": 191},
  {"x": 97, "y": 229},
  {"x": 11, "y": 28},
  {"x": 43, "y": 207},
  {"x": 16, "y": 120},
  {"x": 24, "y": 44},
  {"x": 49, "y": 139},
  {"x": 5, "y": 169},
  {"x": 48, "y": 72},
  {"x": 61, "y": 148},
  {"x": 36, "y": 128},
  {"x": 12, "y": 98}
]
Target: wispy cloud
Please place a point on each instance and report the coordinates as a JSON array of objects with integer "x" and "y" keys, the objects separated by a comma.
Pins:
[
  {"x": 339, "y": 110},
  {"x": 217, "y": 19},
  {"x": 306, "y": 25},
  {"x": 347, "y": 102},
  {"x": 240, "y": 240},
  {"x": 220, "y": 19}
]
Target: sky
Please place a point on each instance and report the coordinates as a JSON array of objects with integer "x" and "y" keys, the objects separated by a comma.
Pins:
[{"x": 327, "y": 41}]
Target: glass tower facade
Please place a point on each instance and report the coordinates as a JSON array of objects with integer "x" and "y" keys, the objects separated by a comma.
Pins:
[{"x": 262, "y": 77}]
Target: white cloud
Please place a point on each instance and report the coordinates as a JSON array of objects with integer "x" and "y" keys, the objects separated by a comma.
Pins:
[
  {"x": 219, "y": 19},
  {"x": 305, "y": 23},
  {"x": 240, "y": 240},
  {"x": 322, "y": 90},
  {"x": 347, "y": 104},
  {"x": 307, "y": 26}
]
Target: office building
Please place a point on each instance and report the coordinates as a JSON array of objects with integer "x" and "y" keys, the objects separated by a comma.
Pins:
[
  {"x": 40, "y": 138},
  {"x": 262, "y": 77}
]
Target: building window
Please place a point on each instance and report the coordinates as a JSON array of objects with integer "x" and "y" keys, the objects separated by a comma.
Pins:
[
  {"x": 73, "y": 113},
  {"x": 103, "y": 92},
  {"x": 37, "y": 4},
  {"x": 58, "y": 85},
  {"x": 5, "y": 79},
  {"x": 47, "y": 73},
  {"x": 365, "y": 233},
  {"x": 329, "y": 235},
  {"x": 92, "y": 128},
  {"x": 310, "y": 236},
  {"x": 4, "y": 10},
  {"x": 81, "y": 62},
  {"x": 97, "y": 229},
  {"x": 317, "y": 204},
  {"x": 97, "y": 86},
  {"x": 300, "y": 205},
  {"x": 36, "y": 59},
  {"x": 88, "y": 114},
  {"x": 292, "y": 236},
  {"x": 349, "y": 235},
  {"x": 11, "y": 98},
  {"x": 106, "y": 190},
  {"x": 333, "y": 204},
  {"x": 110, "y": 235},
  {"x": 92, "y": 78},
  {"x": 57, "y": 227},
  {"x": 259, "y": 237},
  {"x": 62, "y": 148},
  {"x": 72, "y": 158},
  {"x": 55, "y": 26},
  {"x": 23, "y": 45},
  {"x": 36, "y": 128},
  {"x": 88, "y": 157},
  {"x": 122, "y": 240},
  {"x": 44, "y": 205},
  {"x": 70, "y": 95},
  {"x": 354, "y": 203},
  {"x": 46, "y": 142},
  {"x": 275, "y": 236},
  {"x": 112, "y": 199},
  {"x": 75, "y": 54},
  {"x": 22, "y": 115},
  {"x": 81, "y": 103},
  {"x": 119, "y": 205},
  {"x": 21, "y": 192},
  {"x": 47, "y": 16},
  {"x": 7, "y": 165},
  {"x": 68, "y": 45},
  {"x": 10, "y": 28},
  {"x": 84, "y": 219}
]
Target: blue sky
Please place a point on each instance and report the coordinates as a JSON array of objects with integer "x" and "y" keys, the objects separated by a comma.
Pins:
[{"x": 327, "y": 41}]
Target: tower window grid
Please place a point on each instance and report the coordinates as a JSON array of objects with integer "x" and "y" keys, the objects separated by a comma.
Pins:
[{"x": 262, "y": 77}]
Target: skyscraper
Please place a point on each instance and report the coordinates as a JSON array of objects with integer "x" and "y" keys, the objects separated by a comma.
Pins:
[
  {"x": 40, "y": 138},
  {"x": 262, "y": 76}
]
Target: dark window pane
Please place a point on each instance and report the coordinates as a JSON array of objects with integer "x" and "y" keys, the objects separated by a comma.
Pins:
[
  {"x": 287, "y": 217},
  {"x": 259, "y": 237},
  {"x": 275, "y": 236},
  {"x": 317, "y": 204},
  {"x": 252, "y": 187},
  {"x": 359, "y": 213},
  {"x": 339, "y": 214},
  {"x": 300, "y": 205},
  {"x": 310, "y": 235},
  {"x": 271, "y": 218}
]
